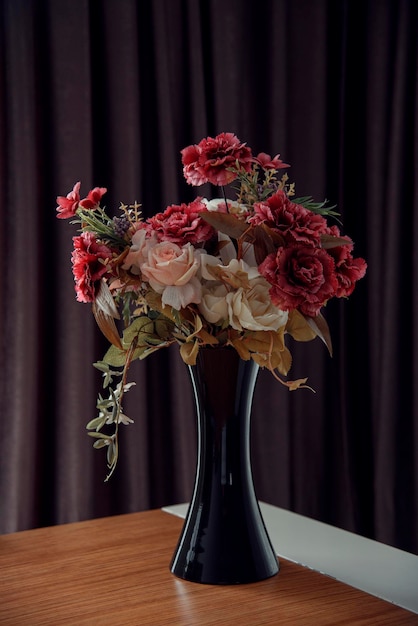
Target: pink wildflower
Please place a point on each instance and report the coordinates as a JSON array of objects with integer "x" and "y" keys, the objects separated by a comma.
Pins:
[
  {"x": 67, "y": 205},
  {"x": 269, "y": 163},
  {"x": 93, "y": 198}
]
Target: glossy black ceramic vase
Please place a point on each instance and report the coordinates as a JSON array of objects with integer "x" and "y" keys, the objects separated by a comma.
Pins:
[{"x": 224, "y": 540}]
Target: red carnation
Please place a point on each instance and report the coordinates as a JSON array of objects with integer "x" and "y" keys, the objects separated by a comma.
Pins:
[
  {"x": 295, "y": 223},
  {"x": 301, "y": 277},
  {"x": 209, "y": 161},
  {"x": 182, "y": 224},
  {"x": 88, "y": 267},
  {"x": 348, "y": 270}
]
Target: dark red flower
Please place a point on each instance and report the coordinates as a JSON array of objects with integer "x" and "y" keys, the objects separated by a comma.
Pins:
[
  {"x": 67, "y": 205},
  {"x": 182, "y": 224},
  {"x": 301, "y": 277},
  {"x": 295, "y": 223},
  {"x": 88, "y": 267},
  {"x": 209, "y": 160},
  {"x": 348, "y": 269}
]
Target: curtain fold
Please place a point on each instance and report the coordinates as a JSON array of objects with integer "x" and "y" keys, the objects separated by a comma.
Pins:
[{"x": 108, "y": 93}]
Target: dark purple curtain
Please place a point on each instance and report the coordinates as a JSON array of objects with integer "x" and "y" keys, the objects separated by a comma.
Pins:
[{"x": 108, "y": 93}]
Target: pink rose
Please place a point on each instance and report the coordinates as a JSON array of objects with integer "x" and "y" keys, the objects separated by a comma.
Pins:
[
  {"x": 182, "y": 224},
  {"x": 68, "y": 205},
  {"x": 170, "y": 270},
  {"x": 301, "y": 277},
  {"x": 88, "y": 267},
  {"x": 208, "y": 161},
  {"x": 291, "y": 220},
  {"x": 138, "y": 252},
  {"x": 93, "y": 198}
]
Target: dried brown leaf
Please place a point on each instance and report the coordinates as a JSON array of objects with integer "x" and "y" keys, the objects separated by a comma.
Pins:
[
  {"x": 262, "y": 241},
  {"x": 241, "y": 348},
  {"x": 107, "y": 325},
  {"x": 297, "y": 326},
  {"x": 225, "y": 223},
  {"x": 104, "y": 300},
  {"x": 320, "y": 326},
  {"x": 188, "y": 352},
  {"x": 329, "y": 241},
  {"x": 206, "y": 338}
]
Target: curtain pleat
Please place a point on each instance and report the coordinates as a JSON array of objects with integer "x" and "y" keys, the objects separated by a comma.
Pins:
[{"x": 108, "y": 93}]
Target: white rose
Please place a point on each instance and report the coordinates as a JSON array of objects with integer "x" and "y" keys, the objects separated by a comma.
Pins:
[
  {"x": 218, "y": 204},
  {"x": 213, "y": 305},
  {"x": 252, "y": 309},
  {"x": 233, "y": 267}
]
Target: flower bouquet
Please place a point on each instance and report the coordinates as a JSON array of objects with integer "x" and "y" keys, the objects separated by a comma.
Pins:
[{"x": 245, "y": 272}]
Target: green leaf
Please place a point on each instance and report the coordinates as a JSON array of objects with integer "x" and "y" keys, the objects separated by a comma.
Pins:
[
  {"x": 163, "y": 327},
  {"x": 98, "y": 436},
  {"x": 141, "y": 327},
  {"x": 96, "y": 424},
  {"x": 316, "y": 207},
  {"x": 103, "y": 367},
  {"x": 115, "y": 357}
]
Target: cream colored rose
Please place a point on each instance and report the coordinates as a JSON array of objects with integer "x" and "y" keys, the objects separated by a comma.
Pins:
[
  {"x": 251, "y": 309},
  {"x": 170, "y": 270},
  {"x": 213, "y": 305},
  {"x": 211, "y": 268},
  {"x": 238, "y": 294}
]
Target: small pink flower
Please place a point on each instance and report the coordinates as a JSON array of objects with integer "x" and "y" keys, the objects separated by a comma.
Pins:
[
  {"x": 301, "y": 277},
  {"x": 182, "y": 224},
  {"x": 269, "y": 163},
  {"x": 88, "y": 267},
  {"x": 67, "y": 206},
  {"x": 209, "y": 161},
  {"x": 93, "y": 198}
]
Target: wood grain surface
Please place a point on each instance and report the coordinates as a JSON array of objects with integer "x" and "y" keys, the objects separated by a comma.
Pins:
[{"x": 116, "y": 571}]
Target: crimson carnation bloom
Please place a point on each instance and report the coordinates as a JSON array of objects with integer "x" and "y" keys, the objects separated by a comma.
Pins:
[
  {"x": 87, "y": 266},
  {"x": 182, "y": 224},
  {"x": 295, "y": 223},
  {"x": 301, "y": 277},
  {"x": 269, "y": 163},
  {"x": 209, "y": 160},
  {"x": 348, "y": 270},
  {"x": 67, "y": 205},
  {"x": 93, "y": 198}
]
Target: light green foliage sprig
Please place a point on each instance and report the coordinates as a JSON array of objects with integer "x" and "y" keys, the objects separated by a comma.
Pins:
[{"x": 110, "y": 410}]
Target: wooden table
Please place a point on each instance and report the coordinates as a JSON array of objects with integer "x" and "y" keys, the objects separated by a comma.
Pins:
[{"x": 115, "y": 571}]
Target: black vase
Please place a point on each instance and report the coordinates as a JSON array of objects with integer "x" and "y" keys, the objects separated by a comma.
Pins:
[{"x": 224, "y": 539}]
